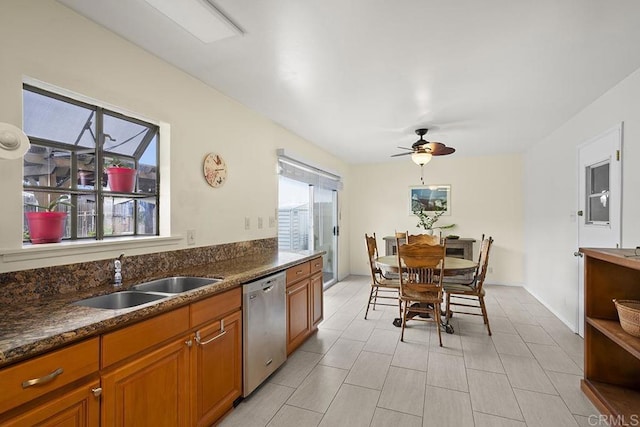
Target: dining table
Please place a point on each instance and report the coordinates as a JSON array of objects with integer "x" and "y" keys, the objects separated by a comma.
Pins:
[{"x": 452, "y": 267}]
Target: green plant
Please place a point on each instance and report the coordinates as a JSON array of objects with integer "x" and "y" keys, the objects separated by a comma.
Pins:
[
  {"x": 61, "y": 200},
  {"x": 426, "y": 221},
  {"x": 116, "y": 162}
]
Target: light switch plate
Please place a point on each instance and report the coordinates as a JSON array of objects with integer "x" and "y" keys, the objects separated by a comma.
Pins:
[
  {"x": 191, "y": 237},
  {"x": 259, "y": 222},
  {"x": 247, "y": 223},
  {"x": 272, "y": 222}
]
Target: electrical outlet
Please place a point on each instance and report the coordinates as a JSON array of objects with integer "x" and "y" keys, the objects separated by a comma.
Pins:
[
  {"x": 490, "y": 270},
  {"x": 259, "y": 222},
  {"x": 272, "y": 222},
  {"x": 247, "y": 223},
  {"x": 191, "y": 237}
]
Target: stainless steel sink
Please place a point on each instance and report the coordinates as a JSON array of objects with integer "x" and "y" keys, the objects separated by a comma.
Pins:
[
  {"x": 122, "y": 299},
  {"x": 174, "y": 285}
]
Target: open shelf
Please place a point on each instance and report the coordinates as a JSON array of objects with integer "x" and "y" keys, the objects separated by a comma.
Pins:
[
  {"x": 617, "y": 401},
  {"x": 613, "y": 331}
]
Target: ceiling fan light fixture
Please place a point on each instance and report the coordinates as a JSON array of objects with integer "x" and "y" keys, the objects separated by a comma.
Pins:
[{"x": 421, "y": 157}]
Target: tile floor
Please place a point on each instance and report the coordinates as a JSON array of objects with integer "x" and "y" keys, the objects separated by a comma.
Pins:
[{"x": 356, "y": 372}]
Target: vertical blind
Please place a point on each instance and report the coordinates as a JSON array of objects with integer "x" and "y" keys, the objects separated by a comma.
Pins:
[{"x": 299, "y": 171}]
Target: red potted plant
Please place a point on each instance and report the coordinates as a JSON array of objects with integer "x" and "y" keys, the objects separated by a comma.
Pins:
[
  {"x": 121, "y": 179},
  {"x": 47, "y": 225}
]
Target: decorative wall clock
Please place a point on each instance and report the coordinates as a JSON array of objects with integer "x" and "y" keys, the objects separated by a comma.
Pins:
[{"x": 215, "y": 170}]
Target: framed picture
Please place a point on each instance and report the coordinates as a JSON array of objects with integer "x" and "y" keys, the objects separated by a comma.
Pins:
[{"x": 430, "y": 198}]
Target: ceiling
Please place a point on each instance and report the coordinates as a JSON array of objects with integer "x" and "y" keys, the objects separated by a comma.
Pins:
[{"x": 357, "y": 77}]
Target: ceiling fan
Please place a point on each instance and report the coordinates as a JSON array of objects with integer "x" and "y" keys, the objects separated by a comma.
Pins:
[{"x": 422, "y": 150}]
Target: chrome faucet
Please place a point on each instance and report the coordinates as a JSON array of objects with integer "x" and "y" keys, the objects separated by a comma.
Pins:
[{"x": 117, "y": 277}]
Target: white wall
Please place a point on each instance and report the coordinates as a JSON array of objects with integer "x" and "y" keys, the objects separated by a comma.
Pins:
[
  {"x": 43, "y": 40},
  {"x": 486, "y": 197},
  {"x": 551, "y": 185}
]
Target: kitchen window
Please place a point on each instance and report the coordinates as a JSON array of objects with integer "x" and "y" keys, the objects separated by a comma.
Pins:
[{"x": 72, "y": 144}]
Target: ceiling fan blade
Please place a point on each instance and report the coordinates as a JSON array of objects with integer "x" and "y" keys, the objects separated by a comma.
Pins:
[
  {"x": 405, "y": 148},
  {"x": 443, "y": 151},
  {"x": 401, "y": 154}
]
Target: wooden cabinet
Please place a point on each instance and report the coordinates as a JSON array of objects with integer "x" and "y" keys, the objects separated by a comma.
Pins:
[
  {"x": 28, "y": 389},
  {"x": 183, "y": 367},
  {"x": 298, "y": 316},
  {"x": 611, "y": 356},
  {"x": 150, "y": 390},
  {"x": 216, "y": 360},
  {"x": 79, "y": 407},
  {"x": 304, "y": 302}
]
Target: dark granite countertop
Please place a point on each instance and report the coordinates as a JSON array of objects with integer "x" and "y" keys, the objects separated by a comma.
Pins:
[{"x": 30, "y": 329}]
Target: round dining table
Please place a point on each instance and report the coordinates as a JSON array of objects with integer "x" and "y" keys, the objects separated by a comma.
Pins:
[{"x": 452, "y": 266}]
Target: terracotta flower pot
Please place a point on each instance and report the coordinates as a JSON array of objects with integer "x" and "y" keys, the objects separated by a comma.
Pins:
[
  {"x": 122, "y": 180},
  {"x": 46, "y": 227}
]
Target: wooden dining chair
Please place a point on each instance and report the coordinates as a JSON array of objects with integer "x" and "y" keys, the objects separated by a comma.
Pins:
[
  {"x": 429, "y": 239},
  {"x": 421, "y": 271},
  {"x": 471, "y": 294},
  {"x": 382, "y": 287}
]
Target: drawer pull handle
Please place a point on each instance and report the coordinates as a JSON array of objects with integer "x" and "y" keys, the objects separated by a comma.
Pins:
[
  {"x": 42, "y": 380},
  {"x": 222, "y": 332},
  {"x": 298, "y": 272}
]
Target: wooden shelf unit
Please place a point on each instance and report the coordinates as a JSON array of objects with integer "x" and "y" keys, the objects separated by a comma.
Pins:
[{"x": 611, "y": 356}]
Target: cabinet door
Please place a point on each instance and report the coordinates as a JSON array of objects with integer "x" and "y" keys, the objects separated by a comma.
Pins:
[
  {"x": 151, "y": 390},
  {"x": 316, "y": 299},
  {"x": 216, "y": 369},
  {"x": 298, "y": 316},
  {"x": 78, "y": 407}
]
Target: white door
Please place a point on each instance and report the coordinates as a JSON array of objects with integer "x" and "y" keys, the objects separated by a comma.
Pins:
[{"x": 599, "y": 199}]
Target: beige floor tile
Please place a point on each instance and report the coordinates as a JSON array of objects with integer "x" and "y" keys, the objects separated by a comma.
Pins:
[
  {"x": 369, "y": 370},
  {"x": 501, "y": 324},
  {"x": 486, "y": 420},
  {"x": 544, "y": 410},
  {"x": 382, "y": 341},
  {"x": 386, "y": 418},
  {"x": 510, "y": 344},
  {"x": 569, "y": 388},
  {"x": 290, "y": 416},
  {"x": 492, "y": 394},
  {"x": 553, "y": 358},
  {"x": 411, "y": 355},
  {"x": 319, "y": 388},
  {"x": 321, "y": 341},
  {"x": 526, "y": 373},
  {"x": 295, "y": 369},
  {"x": 359, "y": 330},
  {"x": 342, "y": 354},
  {"x": 481, "y": 355},
  {"x": 444, "y": 407},
  {"x": 589, "y": 421},
  {"x": 447, "y": 372},
  {"x": 403, "y": 391},
  {"x": 451, "y": 343},
  {"x": 338, "y": 322},
  {"x": 533, "y": 334},
  {"x": 353, "y": 406},
  {"x": 259, "y": 407}
]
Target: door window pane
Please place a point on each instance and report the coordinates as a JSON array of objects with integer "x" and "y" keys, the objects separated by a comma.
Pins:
[
  {"x": 597, "y": 194},
  {"x": 293, "y": 215}
]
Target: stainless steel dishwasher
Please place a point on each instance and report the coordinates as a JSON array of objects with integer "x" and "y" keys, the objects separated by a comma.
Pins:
[{"x": 264, "y": 320}]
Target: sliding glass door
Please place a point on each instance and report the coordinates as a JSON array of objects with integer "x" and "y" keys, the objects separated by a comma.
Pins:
[{"x": 308, "y": 220}]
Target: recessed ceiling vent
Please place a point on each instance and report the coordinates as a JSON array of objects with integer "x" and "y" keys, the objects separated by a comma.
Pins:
[{"x": 202, "y": 18}]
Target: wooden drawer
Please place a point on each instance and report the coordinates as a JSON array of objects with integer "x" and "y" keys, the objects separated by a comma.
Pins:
[
  {"x": 316, "y": 265},
  {"x": 55, "y": 369},
  {"x": 216, "y": 306},
  {"x": 298, "y": 272},
  {"x": 119, "y": 345}
]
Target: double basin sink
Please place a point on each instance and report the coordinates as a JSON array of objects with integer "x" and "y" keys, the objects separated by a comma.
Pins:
[{"x": 147, "y": 292}]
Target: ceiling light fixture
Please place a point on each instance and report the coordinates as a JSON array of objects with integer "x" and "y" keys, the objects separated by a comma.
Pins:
[
  {"x": 421, "y": 158},
  {"x": 201, "y": 18}
]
